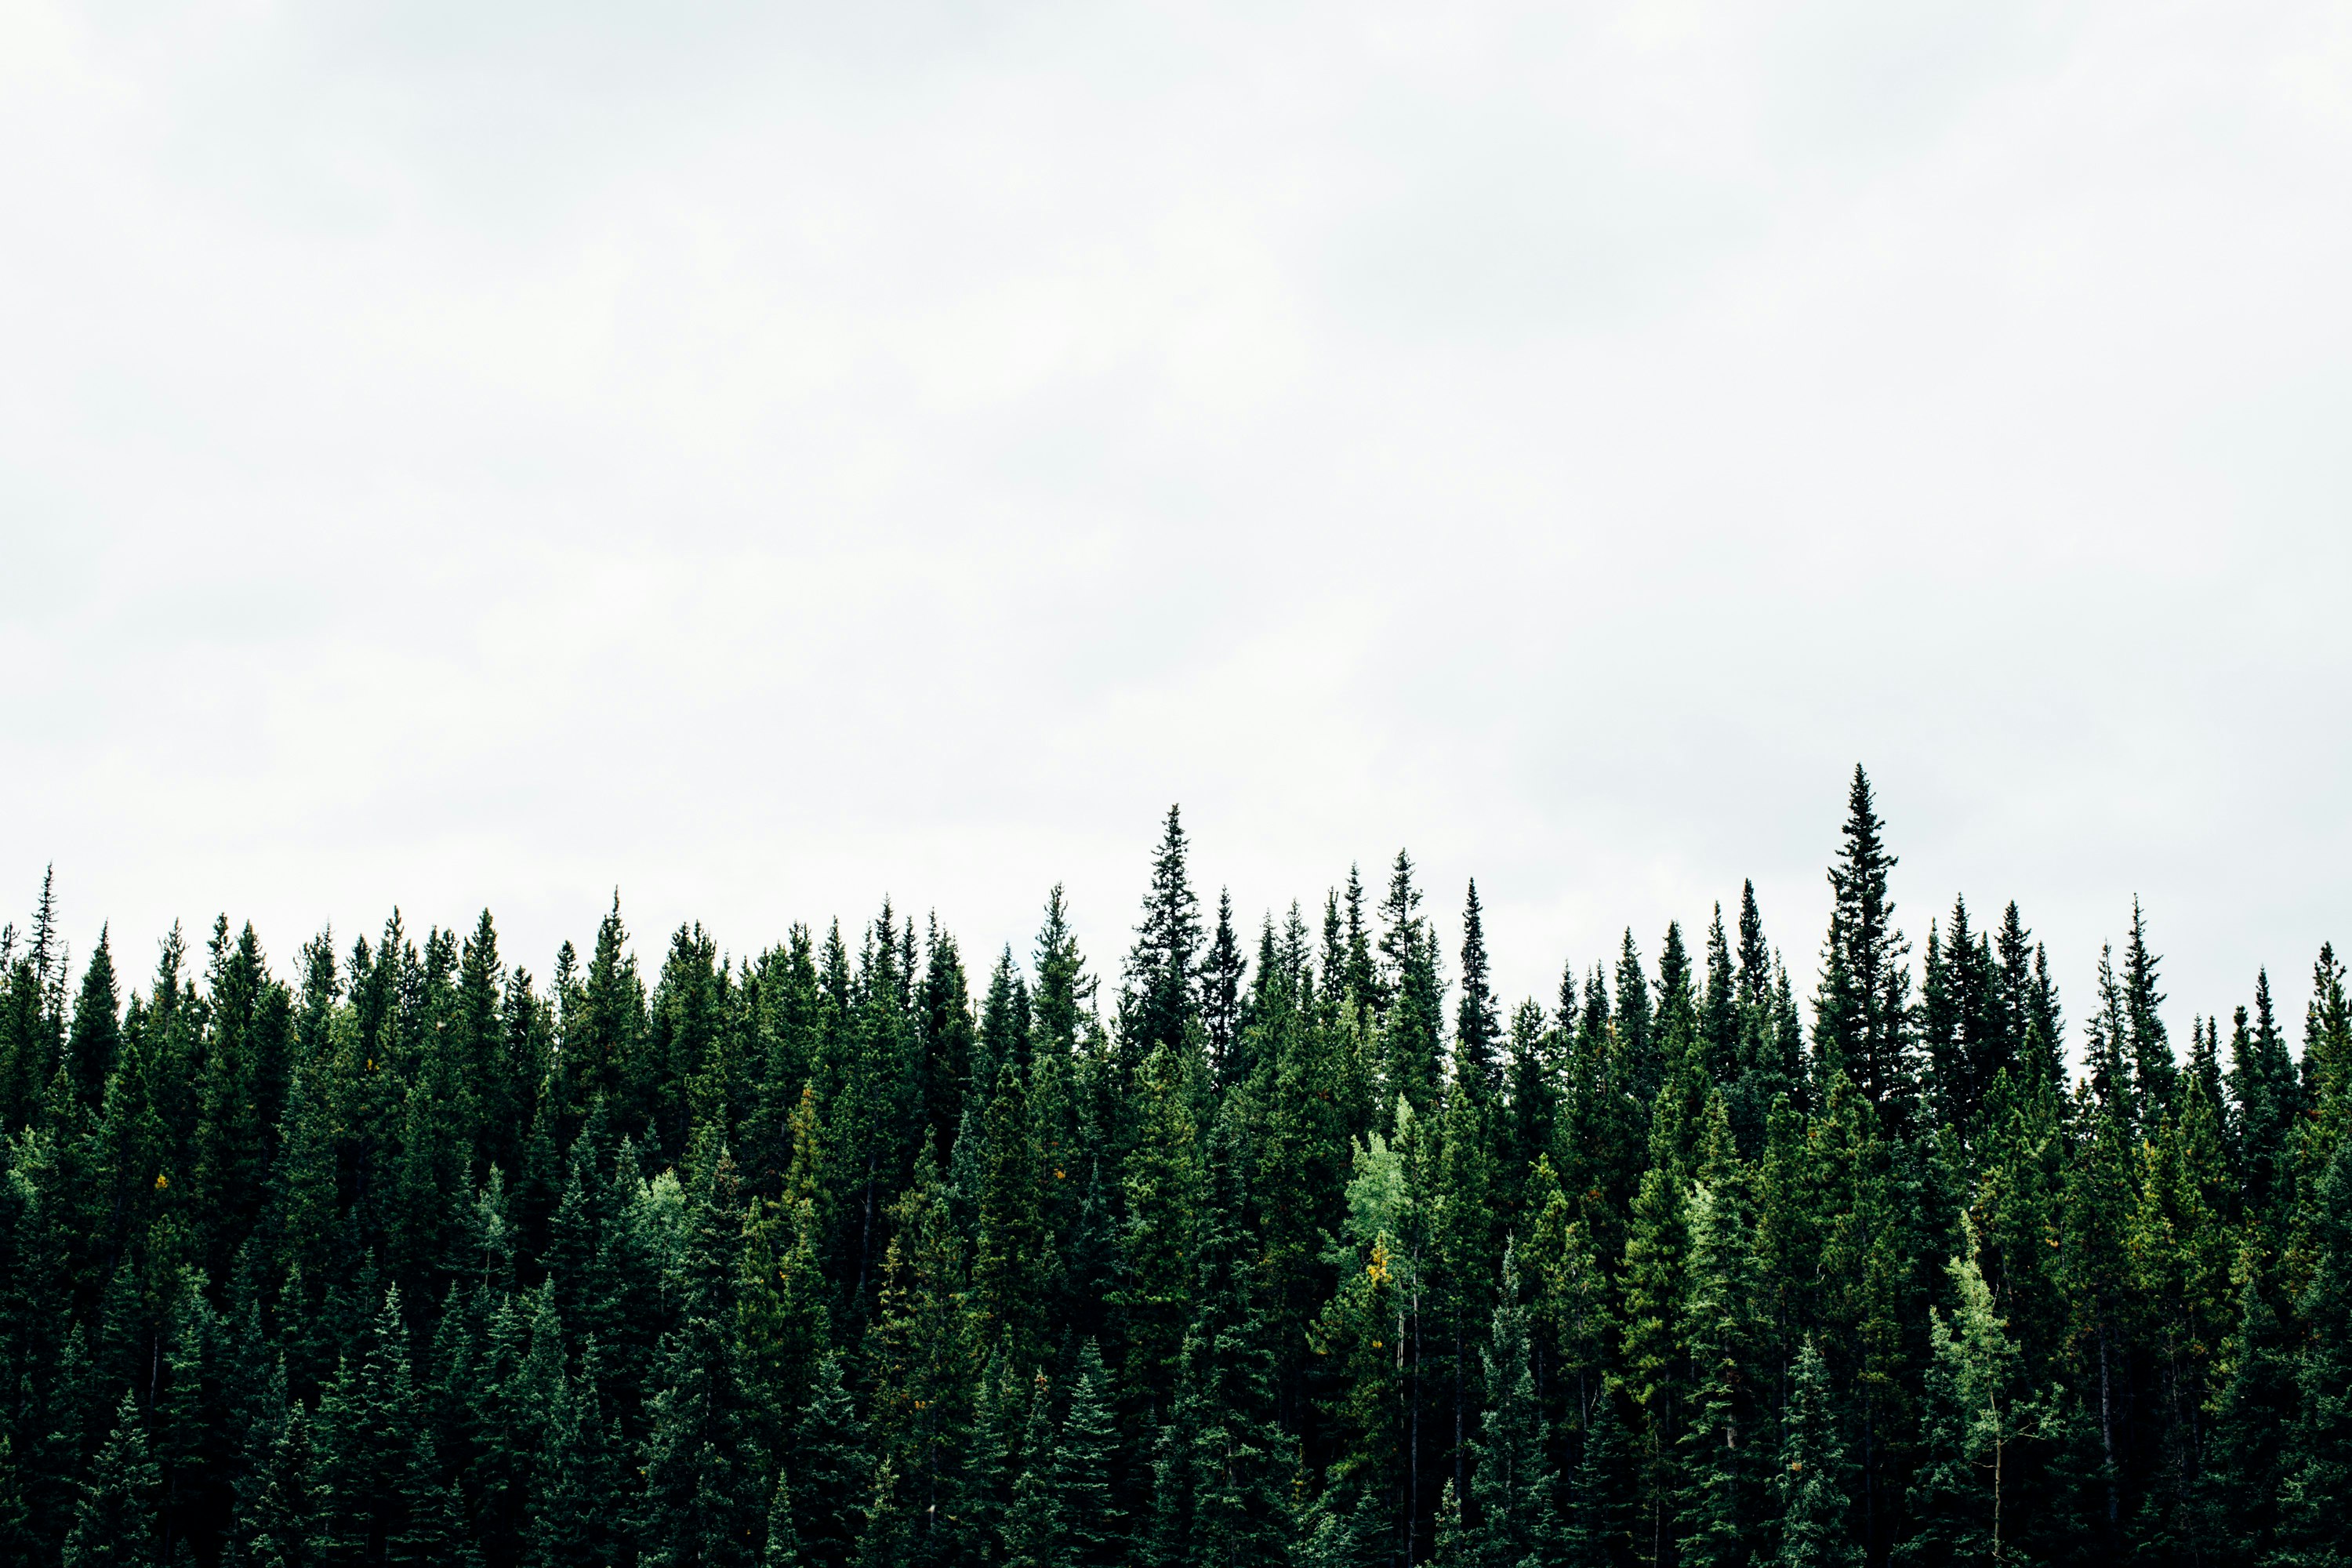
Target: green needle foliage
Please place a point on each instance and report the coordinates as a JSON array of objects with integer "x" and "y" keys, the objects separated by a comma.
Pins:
[{"x": 1286, "y": 1243}]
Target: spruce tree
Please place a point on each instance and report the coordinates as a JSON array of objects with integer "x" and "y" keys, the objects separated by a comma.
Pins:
[
  {"x": 1477, "y": 1025},
  {"x": 1159, "y": 998},
  {"x": 704, "y": 1495},
  {"x": 2319, "y": 1464},
  {"x": 583, "y": 1493},
  {"x": 1009, "y": 1267},
  {"x": 1517, "y": 1518},
  {"x": 1862, "y": 1008},
  {"x": 1222, "y": 970},
  {"x": 832, "y": 1472},
  {"x": 1601, "y": 1522},
  {"x": 1815, "y": 1504},
  {"x": 1412, "y": 1026},
  {"x": 1718, "y": 1326},
  {"x": 374, "y": 1474},
  {"x": 1088, "y": 1529},
  {"x": 1234, "y": 1464},
  {"x": 96, "y": 1038},
  {"x": 115, "y": 1525},
  {"x": 1977, "y": 1418},
  {"x": 2266, "y": 1100}
]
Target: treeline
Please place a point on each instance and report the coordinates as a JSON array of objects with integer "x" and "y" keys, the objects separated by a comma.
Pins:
[{"x": 1299, "y": 1249}]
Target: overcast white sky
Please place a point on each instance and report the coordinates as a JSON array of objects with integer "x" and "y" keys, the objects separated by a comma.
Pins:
[{"x": 767, "y": 456}]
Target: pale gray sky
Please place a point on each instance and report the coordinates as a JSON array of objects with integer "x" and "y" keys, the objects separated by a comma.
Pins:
[{"x": 769, "y": 456}]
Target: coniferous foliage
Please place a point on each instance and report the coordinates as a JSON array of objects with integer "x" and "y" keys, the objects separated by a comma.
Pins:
[{"x": 1305, "y": 1246}]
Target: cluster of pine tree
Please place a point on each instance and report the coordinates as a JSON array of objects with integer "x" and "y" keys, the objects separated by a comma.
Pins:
[{"x": 411, "y": 1257}]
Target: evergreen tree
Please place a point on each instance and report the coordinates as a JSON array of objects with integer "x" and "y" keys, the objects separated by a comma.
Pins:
[
  {"x": 1814, "y": 1502},
  {"x": 1861, "y": 1009},
  {"x": 582, "y": 1497},
  {"x": 832, "y": 1472},
  {"x": 2266, "y": 1101},
  {"x": 1159, "y": 998},
  {"x": 1518, "y": 1518},
  {"x": 1222, "y": 970},
  {"x": 96, "y": 1039},
  {"x": 1412, "y": 1025},
  {"x": 1600, "y": 1514},
  {"x": 379, "y": 1497},
  {"x": 2319, "y": 1464},
  {"x": 704, "y": 1495},
  {"x": 1087, "y": 1529},
  {"x": 115, "y": 1524},
  {"x": 1718, "y": 1325},
  {"x": 2153, "y": 1068},
  {"x": 1976, "y": 1419},
  {"x": 1163, "y": 1192},
  {"x": 1009, "y": 1270},
  {"x": 404, "y": 1259},
  {"x": 1477, "y": 1028},
  {"x": 1229, "y": 1460}
]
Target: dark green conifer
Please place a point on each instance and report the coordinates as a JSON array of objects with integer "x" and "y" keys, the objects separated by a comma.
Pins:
[
  {"x": 1862, "y": 1008},
  {"x": 1232, "y": 1461},
  {"x": 1160, "y": 996},
  {"x": 1009, "y": 1263},
  {"x": 1088, "y": 1530},
  {"x": 1814, "y": 1503},
  {"x": 97, "y": 1035},
  {"x": 1518, "y": 1517},
  {"x": 831, "y": 1473},
  {"x": 1601, "y": 1520},
  {"x": 705, "y": 1494},
  {"x": 1222, "y": 970},
  {"x": 1477, "y": 1025},
  {"x": 1410, "y": 1025},
  {"x": 114, "y": 1527}
]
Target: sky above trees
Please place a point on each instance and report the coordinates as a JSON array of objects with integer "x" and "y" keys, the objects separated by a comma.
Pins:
[{"x": 767, "y": 457}]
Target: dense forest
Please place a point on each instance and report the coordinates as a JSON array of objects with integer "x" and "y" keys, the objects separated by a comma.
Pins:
[{"x": 1293, "y": 1248}]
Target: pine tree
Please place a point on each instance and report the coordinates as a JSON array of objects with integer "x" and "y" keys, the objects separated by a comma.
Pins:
[
  {"x": 2266, "y": 1100},
  {"x": 379, "y": 1495},
  {"x": 1977, "y": 1418},
  {"x": 582, "y": 1495},
  {"x": 1600, "y": 1514},
  {"x": 1861, "y": 1009},
  {"x": 1029, "y": 1535},
  {"x": 115, "y": 1523},
  {"x": 1635, "y": 1035},
  {"x": 1009, "y": 1268},
  {"x": 1163, "y": 1192},
  {"x": 832, "y": 1472},
  {"x": 1361, "y": 1336},
  {"x": 921, "y": 1353},
  {"x": 1518, "y": 1518},
  {"x": 2319, "y": 1464},
  {"x": 948, "y": 1038},
  {"x": 780, "y": 1541},
  {"x": 1814, "y": 1502},
  {"x": 1160, "y": 999},
  {"x": 1718, "y": 1506},
  {"x": 1656, "y": 1371},
  {"x": 274, "y": 1531},
  {"x": 2153, "y": 1070},
  {"x": 1237, "y": 1465},
  {"x": 96, "y": 1039},
  {"x": 1410, "y": 1025},
  {"x": 1222, "y": 970},
  {"x": 1088, "y": 1529},
  {"x": 1477, "y": 1028},
  {"x": 704, "y": 1496}
]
